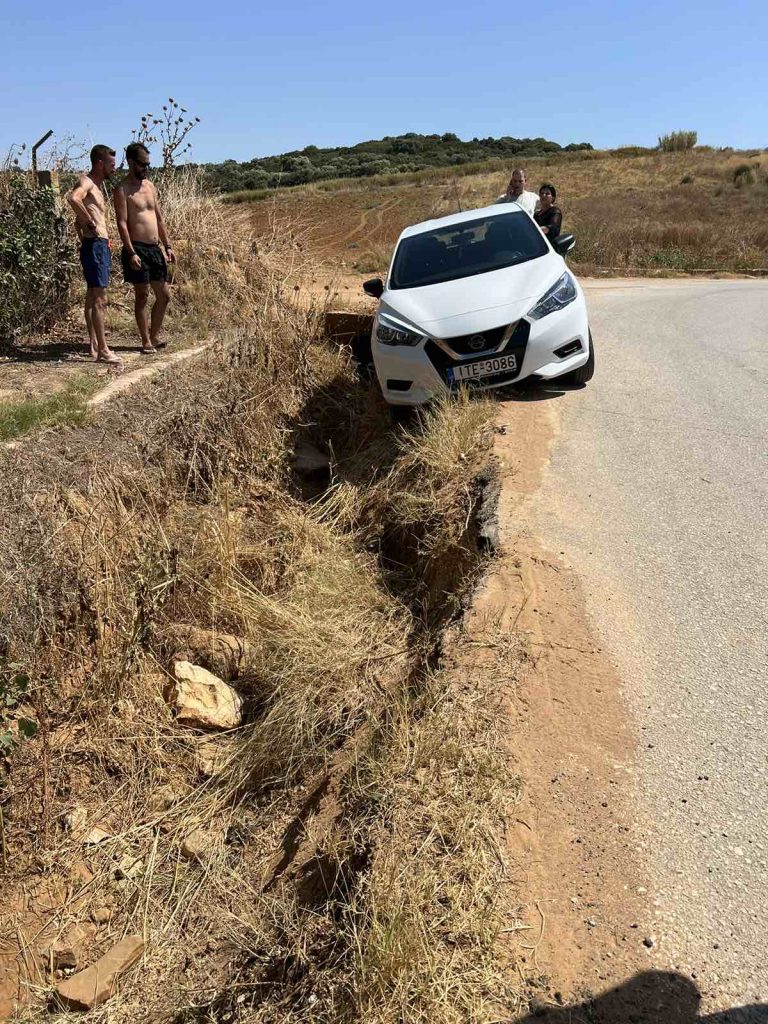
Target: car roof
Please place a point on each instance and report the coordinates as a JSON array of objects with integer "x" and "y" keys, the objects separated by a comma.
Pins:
[{"x": 460, "y": 218}]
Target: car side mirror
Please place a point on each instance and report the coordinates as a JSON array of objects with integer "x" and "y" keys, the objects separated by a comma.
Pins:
[
  {"x": 563, "y": 244},
  {"x": 374, "y": 287}
]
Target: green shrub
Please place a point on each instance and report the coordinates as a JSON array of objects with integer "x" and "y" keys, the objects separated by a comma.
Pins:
[
  {"x": 687, "y": 179},
  {"x": 677, "y": 141},
  {"x": 631, "y": 151},
  {"x": 743, "y": 175},
  {"x": 37, "y": 258},
  {"x": 671, "y": 258}
]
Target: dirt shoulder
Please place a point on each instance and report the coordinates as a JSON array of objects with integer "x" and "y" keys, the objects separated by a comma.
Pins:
[
  {"x": 38, "y": 367},
  {"x": 580, "y": 884}
]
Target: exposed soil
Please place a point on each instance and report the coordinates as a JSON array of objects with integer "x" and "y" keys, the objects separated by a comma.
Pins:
[
  {"x": 581, "y": 886},
  {"x": 356, "y": 228},
  {"x": 40, "y": 366}
]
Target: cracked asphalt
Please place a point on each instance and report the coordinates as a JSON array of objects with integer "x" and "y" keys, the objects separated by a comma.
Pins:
[{"x": 657, "y": 493}]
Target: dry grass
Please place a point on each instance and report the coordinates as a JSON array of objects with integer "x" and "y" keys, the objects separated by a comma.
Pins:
[
  {"x": 435, "y": 903},
  {"x": 222, "y": 273},
  {"x": 386, "y": 776}
]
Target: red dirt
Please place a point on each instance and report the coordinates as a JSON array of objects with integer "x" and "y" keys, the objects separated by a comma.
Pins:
[{"x": 579, "y": 882}]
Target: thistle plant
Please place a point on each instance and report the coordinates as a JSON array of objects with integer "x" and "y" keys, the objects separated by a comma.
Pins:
[{"x": 170, "y": 130}]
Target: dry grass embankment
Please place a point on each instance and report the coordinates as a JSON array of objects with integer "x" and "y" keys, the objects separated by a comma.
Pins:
[
  {"x": 222, "y": 278},
  {"x": 350, "y": 826},
  {"x": 220, "y": 272},
  {"x": 648, "y": 213}
]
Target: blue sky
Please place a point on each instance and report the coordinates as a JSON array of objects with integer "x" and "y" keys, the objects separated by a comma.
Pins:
[{"x": 266, "y": 81}]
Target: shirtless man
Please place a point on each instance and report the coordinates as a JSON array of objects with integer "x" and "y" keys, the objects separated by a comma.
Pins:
[
  {"x": 87, "y": 201},
  {"x": 141, "y": 228}
]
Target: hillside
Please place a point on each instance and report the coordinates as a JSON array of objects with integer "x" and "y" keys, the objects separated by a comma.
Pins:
[
  {"x": 392, "y": 154},
  {"x": 632, "y": 211}
]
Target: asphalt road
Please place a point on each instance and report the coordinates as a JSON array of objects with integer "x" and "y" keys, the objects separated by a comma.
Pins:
[{"x": 657, "y": 493}]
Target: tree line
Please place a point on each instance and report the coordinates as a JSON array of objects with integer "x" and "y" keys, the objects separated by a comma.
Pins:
[{"x": 392, "y": 154}]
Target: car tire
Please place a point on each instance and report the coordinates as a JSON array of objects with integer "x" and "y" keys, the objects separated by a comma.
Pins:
[
  {"x": 363, "y": 357},
  {"x": 404, "y": 414},
  {"x": 585, "y": 373}
]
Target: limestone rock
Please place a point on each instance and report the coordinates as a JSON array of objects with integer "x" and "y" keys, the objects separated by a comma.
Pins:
[
  {"x": 202, "y": 700},
  {"x": 96, "y": 836},
  {"x": 211, "y": 755},
  {"x": 197, "y": 846},
  {"x": 81, "y": 872},
  {"x": 129, "y": 866},
  {"x": 223, "y": 654},
  {"x": 96, "y": 983},
  {"x": 75, "y": 820}
]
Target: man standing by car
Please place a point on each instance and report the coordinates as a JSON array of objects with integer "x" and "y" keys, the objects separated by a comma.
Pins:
[
  {"x": 142, "y": 231},
  {"x": 90, "y": 208},
  {"x": 516, "y": 193}
]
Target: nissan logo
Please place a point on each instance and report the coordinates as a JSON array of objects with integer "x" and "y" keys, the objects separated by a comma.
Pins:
[{"x": 477, "y": 343}]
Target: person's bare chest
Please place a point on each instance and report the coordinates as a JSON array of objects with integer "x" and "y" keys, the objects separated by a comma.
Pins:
[
  {"x": 140, "y": 202},
  {"x": 94, "y": 199}
]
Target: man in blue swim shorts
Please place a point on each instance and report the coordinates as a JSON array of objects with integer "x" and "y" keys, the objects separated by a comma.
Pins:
[{"x": 90, "y": 208}]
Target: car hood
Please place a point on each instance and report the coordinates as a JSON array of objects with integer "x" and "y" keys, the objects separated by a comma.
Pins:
[{"x": 475, "y": 303}]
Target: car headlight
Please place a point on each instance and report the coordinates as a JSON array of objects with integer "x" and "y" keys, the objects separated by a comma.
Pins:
[
  {"x": 389, "y": 332},
  {"x": 559, "y": 295}
]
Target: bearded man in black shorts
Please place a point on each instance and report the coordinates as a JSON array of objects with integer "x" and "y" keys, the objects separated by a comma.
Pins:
[{"x": 142, "y": 231}]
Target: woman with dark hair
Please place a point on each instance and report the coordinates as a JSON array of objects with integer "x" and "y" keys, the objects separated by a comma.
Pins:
[{"x": 549, "y": 217}]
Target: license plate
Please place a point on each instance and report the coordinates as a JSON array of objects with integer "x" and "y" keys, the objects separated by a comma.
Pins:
[{"x": 482, "y": 368}]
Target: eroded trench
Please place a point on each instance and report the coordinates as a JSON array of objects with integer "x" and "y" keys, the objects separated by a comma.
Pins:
[{"x": 204, "y": 500}]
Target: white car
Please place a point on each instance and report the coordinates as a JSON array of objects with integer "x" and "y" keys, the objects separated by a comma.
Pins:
[{"x": 480, "y": 299}]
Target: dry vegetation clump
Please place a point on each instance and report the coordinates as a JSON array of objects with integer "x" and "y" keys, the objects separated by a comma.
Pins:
[
  {"x": 434, "y": 902},
  {"x": 223, "y": 274},
  {"x": 333, "y": 858}
]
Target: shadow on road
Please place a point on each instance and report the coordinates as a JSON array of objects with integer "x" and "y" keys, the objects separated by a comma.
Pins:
[
  {"x": 533, "y": 391},
  {"x": 654, "y": 997}
]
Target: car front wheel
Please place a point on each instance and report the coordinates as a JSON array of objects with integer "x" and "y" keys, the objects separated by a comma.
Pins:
[{"x": 585, "y": 373}]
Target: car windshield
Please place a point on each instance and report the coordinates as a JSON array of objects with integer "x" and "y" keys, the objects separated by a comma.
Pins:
[{"x": 461, "y": 250}]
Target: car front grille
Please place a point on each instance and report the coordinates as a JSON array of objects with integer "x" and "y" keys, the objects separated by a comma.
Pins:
[
  {"x": 474, "y": 344},
  {"x": 516, "y": 345}
]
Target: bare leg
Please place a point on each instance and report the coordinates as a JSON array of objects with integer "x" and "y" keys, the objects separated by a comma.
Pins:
[
  {"x": 140, "y": 296},
  {"x": 162, "y": 298},
  {"x": 89, "y": 322},
  {"x": 98, "y": 310}
]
